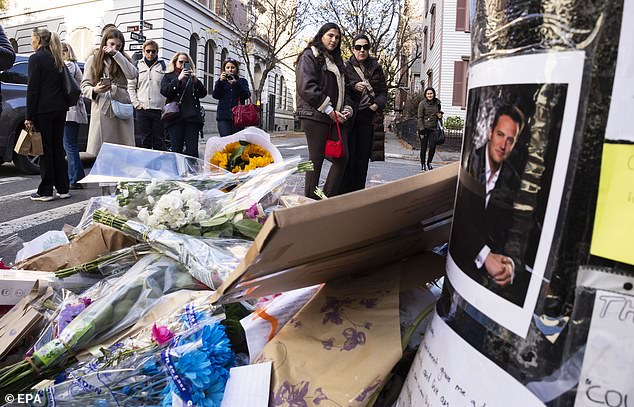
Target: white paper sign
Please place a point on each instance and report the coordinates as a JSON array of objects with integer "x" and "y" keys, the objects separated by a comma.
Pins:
[
  {"x": 619, "y": 125},
  {"x": 447, "y": 371},
  {"x": 607, "y": 375},
  {"x": 248, "y": 386}
]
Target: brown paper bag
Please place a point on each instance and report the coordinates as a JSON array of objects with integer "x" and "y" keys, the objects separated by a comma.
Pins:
[
  {"x": 29, "y": 143},
  {"x": 340, "y": 346},
  {"x": 88, "y": 245}
]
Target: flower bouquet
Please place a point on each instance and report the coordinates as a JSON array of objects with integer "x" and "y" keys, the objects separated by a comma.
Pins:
[
  {"x": 208, "y": 260},
  {"x": 128, "y": 299},
  {"x": 188, "y": 361},
  {"x": 242, "y": 152}
]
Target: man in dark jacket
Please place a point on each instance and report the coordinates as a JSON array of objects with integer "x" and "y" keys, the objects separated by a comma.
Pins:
[
  {"x": 7, "y": 57},
  {"x": 484, "y": 209}
]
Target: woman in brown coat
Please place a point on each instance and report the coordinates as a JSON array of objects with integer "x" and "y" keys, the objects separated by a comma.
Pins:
[{"x": 106, "y": 76}]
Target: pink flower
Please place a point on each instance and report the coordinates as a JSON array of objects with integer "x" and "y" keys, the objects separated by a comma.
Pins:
[
  {"x": 252, "y": 212},
  {"x": 161, "y": 334}
]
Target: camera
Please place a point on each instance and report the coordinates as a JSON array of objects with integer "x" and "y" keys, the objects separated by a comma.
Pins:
[{"x": 230, "y": 77}]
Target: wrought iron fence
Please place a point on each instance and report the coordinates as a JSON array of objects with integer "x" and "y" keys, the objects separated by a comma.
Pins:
[{"x": 406, "y": 130}]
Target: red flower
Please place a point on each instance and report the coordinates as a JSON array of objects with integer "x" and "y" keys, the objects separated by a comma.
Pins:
[{"x": 161, "y": 334}]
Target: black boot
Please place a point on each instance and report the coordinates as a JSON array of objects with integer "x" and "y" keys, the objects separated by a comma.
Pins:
[
  {"x": 429, "y": 167},
  {"x": 424, "y": 168}
]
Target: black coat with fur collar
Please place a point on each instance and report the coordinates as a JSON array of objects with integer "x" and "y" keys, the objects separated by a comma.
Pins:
[{"x": 318, "y": 85}]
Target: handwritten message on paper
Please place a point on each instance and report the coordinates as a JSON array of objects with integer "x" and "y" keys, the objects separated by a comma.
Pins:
[
  {"x": 447, "y": 371},
  {"x": 608, "y": 364}
]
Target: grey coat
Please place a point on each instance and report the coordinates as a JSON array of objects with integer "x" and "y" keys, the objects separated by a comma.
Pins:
[
  {"x": 76, "y": 113},
  {"x": 105, "y": 127}
]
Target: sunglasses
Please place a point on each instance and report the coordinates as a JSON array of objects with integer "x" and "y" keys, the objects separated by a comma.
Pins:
[
  {"x": 150, "y": 51},
  {"x": 360, "y": 47}
]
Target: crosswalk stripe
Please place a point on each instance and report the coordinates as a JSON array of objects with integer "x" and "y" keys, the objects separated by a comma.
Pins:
[
  {"x": 9, "y": 180},
  {"x": 17, "y": 196},
  {"x": 37, "y": 219},
  {"x": 295, "y": 147}
]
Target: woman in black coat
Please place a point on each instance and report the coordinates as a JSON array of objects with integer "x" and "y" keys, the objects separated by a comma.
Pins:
[
  {"x": 322, "y": 101},
  {"x": 46, "y": 107},
  {"x": 429, "y": 112},
  {"x": 7, "y": 56},
  {"x": 230, "y": 90},
  {"x": 181, "y": 85},
  {"x": 367, "y": 84}
]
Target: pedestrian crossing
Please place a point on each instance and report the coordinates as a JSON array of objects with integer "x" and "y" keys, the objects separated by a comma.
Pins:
[{"x": 41, "y": 217}]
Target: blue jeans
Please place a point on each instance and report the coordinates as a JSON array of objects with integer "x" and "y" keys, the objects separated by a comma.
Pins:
[
  {"x": 75, "y": 167},
  {"x": 225, "y": 128}
]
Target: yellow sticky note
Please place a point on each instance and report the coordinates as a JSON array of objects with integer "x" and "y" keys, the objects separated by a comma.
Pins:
[{"x": 613, "y": 236}]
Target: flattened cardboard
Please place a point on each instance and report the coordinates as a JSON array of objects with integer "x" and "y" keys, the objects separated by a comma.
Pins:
[{"x": 339, "y": 236}]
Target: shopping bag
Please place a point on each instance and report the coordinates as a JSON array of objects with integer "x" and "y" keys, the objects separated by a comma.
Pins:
[
  {"x": 245, "y": 115},
  {"x": 334, "y": 148},
  {"x": 29, "y": 143},
  {"x": 439, "y": 137}
]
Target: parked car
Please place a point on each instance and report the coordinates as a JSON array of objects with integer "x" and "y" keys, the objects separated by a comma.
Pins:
[{"x": 14, "y": 81}]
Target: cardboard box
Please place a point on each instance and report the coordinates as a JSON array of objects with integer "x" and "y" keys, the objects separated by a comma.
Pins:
[
  {"x": 15, "y": 284},
  {"x": 333, "y": 238}
]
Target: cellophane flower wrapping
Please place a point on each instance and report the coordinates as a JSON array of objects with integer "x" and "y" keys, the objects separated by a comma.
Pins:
[
  {"x": 193, "y": 366},
  {"x": 208, "y": 260}
]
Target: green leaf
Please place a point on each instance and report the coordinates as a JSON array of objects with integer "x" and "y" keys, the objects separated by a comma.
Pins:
[
  {"x": 236, "y": 154},
  {"x": 215, "y": 221},
  {"x": 248, "y": 227},
  {"x": 192, "y": 230}
]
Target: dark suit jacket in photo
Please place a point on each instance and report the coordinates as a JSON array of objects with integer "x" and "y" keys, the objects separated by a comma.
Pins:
[{"x": 475, "y": 225}]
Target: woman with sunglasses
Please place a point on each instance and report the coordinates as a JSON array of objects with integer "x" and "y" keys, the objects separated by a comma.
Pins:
[
  {"x": 106, "y": 75},
  {"x": 321, "y": 103},
  {"x": 76, "y": 115},
  {"x": 181, "y": 85},
  {"x": 368, "y": 87},
  {"x": 230, "y": 90}
]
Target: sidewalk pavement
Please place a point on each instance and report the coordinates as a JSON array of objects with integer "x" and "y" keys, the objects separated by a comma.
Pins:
[{"x": 394, "y": 148}]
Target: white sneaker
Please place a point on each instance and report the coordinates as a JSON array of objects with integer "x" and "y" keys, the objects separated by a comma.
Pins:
[
  {"x": 42, "y": 198},
  {"x": 63, "y": 196}
]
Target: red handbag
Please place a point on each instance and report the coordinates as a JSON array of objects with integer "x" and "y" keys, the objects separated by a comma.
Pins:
[
  {"x": 245, "y": 115},
  {"x": 334, "y": 148}
]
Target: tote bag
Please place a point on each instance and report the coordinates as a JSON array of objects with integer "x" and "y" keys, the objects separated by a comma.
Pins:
[{"x": 245, "y": 115}]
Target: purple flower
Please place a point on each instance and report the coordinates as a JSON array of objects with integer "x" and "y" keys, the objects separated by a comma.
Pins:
[
  {"x": 334, "y": 310},
  {"x": 294, "y": 395},
  {"x": 68, "y": 313},
  {"x": 333, "y": 317},
  {"x": 366, "y": 391},
  {"x": 353, "y": 338},
  {"x": 252, "y": 212},
  {"x": 368, "y": 302},
  {"x": 319, "y": 396},
  {"x": 328, "y": 344}
]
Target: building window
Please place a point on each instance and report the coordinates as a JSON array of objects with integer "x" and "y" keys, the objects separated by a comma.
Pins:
[
  {"x": 83, "y": 42},
  {"x": 425, "y": 39},
  {"x": 223, "y": 57},
  {"x": 275, "y": 82},
  {"x": 193, "y": 49},
  {"x": 285, "y": 98},
  {"x": 430, "y": 79},
  {"x": 220, "y": 8},
  {"x": 432, "y": 25},
  {"x": 460, "y": 84},
  {"x": 462, "y": 15},
  {"x": 279, "y": 92},
  {"x": 204, "y": 3},
  {"x": 210, "y": 56}
]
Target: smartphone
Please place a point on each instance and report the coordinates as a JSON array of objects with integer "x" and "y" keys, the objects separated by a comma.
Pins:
[
  {"x": 187, "y": 66},
  {"x": 105, "y": 81}
]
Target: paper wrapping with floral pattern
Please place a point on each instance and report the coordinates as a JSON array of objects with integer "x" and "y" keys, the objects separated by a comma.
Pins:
[{"x": 338, "y": 348}]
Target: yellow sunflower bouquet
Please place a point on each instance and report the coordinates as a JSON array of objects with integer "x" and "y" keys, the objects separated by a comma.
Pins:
[{"x": 241, "y": 156}]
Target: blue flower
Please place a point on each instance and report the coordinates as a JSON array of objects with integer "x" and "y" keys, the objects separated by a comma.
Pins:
[{"x": 196, "y": 367}]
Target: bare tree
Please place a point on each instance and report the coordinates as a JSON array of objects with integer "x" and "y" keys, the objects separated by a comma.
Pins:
[
  {"x": 389, "y": 25},
  {"x": 266, "y": 33}
]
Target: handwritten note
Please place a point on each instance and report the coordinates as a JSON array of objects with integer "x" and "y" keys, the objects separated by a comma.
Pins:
[
  {"x": 608, "y": 364},
  {"x": 447, "y": 371},
  {"x": 614, "y": 219},
  {"x": 248, "y": 386}
]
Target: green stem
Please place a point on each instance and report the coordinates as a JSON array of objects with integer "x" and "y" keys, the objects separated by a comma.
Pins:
[{"x": 412, "y": 328}]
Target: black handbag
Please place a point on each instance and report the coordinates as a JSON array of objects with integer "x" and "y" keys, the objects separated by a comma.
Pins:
[
  {"x": 71, "y": 88},
  {"x": 439, "y": 137}
]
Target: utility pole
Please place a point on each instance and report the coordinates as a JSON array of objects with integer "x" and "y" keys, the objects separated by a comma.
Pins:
[{"x": 141, "y": 18}]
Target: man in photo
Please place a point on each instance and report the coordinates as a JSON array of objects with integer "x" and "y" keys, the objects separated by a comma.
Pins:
[{"x": 484, "y": 209}]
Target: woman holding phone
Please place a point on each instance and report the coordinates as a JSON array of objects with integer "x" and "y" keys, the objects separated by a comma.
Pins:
[
  {"x": 106, "y": 76},
  {"x": 181, "y": 85},
  {"x": 230, "y": 90}
]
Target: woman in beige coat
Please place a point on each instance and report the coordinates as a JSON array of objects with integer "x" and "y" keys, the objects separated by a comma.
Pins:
[{"x": 106, "y": 75}]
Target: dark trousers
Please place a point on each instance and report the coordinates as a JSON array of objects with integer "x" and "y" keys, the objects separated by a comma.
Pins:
[
  {"x": 53, "y": 167},
  {"x": 151, "y": 129},
  {"x": 75, "y": 167},
  {"x": 427, "y": 139},
  {"x": 359, "y": 150},
  {"x": 184, "y": 133},
  {"x": 227, "y": 128},
  {"x": 316, "y": 135}
]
